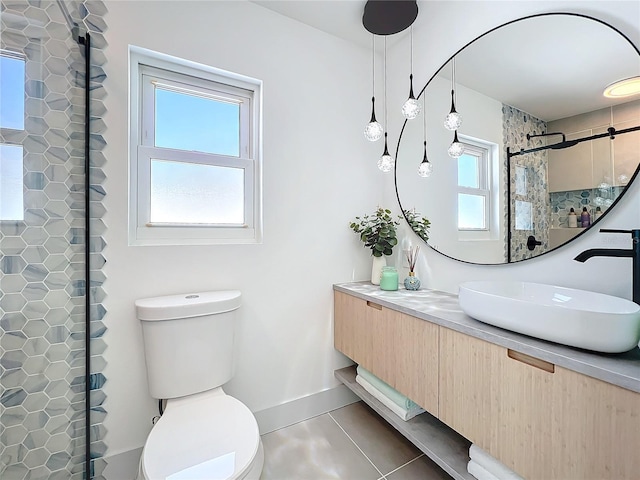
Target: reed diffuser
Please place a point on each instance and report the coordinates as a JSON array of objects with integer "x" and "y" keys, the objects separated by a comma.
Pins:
[{"x": 412, "y": 282}]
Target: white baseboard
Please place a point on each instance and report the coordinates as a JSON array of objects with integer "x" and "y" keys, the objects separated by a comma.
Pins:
[
  {"x": 124, "y": 466},
  {"x": 281, "y": 416}
]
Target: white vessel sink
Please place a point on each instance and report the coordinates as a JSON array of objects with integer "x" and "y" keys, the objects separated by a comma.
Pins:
[{"x": 577, "y": 318}]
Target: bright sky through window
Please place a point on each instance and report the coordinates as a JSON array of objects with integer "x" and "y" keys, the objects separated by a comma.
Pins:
[
  {"x": 197, "y": 123},
  {"x": 12, "y": 92},
  {"x": 471, "y": 210},
  {"x": 468, "y": 173}
]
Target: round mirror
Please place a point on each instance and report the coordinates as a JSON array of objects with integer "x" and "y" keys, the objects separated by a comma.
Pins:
[{"x": 530, "y": 95}]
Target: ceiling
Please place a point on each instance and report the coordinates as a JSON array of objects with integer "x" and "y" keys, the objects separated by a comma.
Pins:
[
  {"x": 341, "y": 18},
  {"x": 534, "y": 66}
]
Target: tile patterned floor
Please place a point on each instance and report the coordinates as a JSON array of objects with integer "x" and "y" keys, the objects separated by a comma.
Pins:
[{"x": 350, "y": 443}]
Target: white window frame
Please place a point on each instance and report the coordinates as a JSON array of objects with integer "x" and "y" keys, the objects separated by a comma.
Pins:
[
  {"x": 482, "y": 153},
  {"x": 491, "y": 175},
  {"x": 147, "y": 69}
]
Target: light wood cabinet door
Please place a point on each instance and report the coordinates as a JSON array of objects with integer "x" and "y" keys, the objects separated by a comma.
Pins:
[
  {"x": 468, "y": 401},
  {"x": 400, "y": 349},
  {"x": 357, "y": 329},
  {"x": 596, "y": 432},
  {"x": 414, "y": 355},
  {"x": 500, "y": 403}
]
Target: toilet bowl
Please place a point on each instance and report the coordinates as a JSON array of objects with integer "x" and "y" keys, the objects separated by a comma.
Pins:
[{"x": 203, "y": 433}]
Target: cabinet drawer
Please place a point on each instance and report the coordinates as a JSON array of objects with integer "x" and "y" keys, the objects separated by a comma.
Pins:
[
  {"x": 542, "y": 421},
  {"x": 499, "y": 400},
  {"x": 596, "y": 429},
  {"x": 397, "y": 348}
]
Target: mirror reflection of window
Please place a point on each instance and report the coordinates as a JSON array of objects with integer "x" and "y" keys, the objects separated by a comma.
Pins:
[
  {"x": 474, "y": 192},
  {"x": 12, "y": 94},
  {"x": 12, "y": 78}
]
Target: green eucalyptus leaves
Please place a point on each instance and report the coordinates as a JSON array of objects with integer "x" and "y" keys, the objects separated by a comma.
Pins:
[{"x": 377, "y": 231}]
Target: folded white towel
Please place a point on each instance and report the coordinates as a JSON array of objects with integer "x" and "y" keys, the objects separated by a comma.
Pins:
[
  {"x": 403, "y": 413},
  {"x": 492, "y": 465},
  {"x": 480, "y": 473}
]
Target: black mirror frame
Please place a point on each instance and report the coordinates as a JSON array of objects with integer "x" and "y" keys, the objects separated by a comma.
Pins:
[{"x": 622, "y": 194}]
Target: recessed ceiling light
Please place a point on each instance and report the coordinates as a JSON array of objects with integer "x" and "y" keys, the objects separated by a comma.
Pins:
[{"x": 623, "y": 88}]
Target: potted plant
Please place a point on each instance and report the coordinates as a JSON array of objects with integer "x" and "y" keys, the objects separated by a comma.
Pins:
[{"x": 378, "y": 233}]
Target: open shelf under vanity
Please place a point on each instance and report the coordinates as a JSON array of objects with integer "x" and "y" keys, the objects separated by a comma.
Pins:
[{"x": 447, "y": 448}]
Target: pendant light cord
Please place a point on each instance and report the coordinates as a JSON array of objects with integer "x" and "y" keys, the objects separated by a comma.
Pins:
[
  {"x": 453, "y": 78},
  {"x": 411, "y": 49},
  {"x": 424, "y": 113},
  {"x": 373, "y": 63},
  {"x": 385, "y": 85}
]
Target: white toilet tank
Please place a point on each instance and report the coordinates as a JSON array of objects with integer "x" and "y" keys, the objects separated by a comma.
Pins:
[{"x": 188, "y": 341}]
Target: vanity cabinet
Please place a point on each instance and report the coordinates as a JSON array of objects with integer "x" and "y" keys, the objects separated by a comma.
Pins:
[
  {"x": 542, "y": 420},
  {"x": 400, "y": 349}
]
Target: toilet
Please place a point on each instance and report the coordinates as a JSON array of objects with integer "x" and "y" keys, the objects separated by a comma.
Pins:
[{"x": 203, "y": 433}]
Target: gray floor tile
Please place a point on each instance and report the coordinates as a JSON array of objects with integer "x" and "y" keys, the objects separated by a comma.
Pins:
[
  {"x": 421, "y": 469},
  {"x": 314, "y": 449},
  {"x": 379, "y": 441}
]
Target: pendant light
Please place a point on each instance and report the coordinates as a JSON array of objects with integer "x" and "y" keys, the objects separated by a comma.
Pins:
[
  {"x": 386, "y": 161},
  {"x": 453, "y": 120},
  {"x": 411, "y": 108},
  {"x": 426, "y": 168},
  {"x": 456, "y": 149},
  {"x": 373, "y": 131}
]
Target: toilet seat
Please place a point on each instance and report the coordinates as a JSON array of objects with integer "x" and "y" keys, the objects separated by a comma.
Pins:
[{"x": 207, "y": 436}]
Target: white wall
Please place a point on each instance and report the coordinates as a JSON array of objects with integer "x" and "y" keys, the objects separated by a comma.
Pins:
[
  {"x": 319, "y": 173},
  {"x": 442, "y": 28}
]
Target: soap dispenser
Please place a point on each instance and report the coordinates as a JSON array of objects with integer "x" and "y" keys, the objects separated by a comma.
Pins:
[
  {"x": 573, "y": 218},
  {"x": 585, "y": 218}
]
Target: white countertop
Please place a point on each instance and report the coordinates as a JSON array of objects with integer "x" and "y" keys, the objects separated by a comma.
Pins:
[{"x": 442, "y": 309}]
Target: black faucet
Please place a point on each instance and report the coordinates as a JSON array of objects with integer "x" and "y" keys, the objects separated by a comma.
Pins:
[{"x": 633, "y": 253}]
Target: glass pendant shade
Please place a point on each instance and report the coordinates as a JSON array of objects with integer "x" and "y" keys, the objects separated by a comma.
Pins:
[
  {"x": 373, "y": 131},
  {"x": 411, "y": 108},
  {"x": 426, "y": 168},
  {"x": 386, "y": 161},
  {"x": 453, "y": 120},
  {"x": 456, "y": 148}
]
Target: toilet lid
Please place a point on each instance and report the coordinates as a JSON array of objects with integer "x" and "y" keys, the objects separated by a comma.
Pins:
[{"x": 213, "y": 438}]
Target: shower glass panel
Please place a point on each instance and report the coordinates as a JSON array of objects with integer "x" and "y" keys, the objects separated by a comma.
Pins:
[{"x": 43, "y": 419}]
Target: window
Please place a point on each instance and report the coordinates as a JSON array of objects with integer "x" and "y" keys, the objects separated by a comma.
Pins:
[
  {"x": 12, "y": 91},
  {"x": 11, "y": 182},
  {"x": 474, "y": 194},
  {"x": 12, "y": 80},
  {"x": 195, "y": 170}
]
